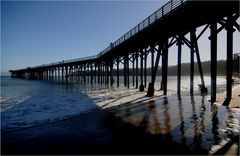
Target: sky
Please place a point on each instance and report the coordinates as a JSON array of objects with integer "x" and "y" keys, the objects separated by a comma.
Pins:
[{"x": 40, "y": 32}]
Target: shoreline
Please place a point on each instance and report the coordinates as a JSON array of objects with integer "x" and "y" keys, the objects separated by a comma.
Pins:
[{"x": 234, "y": 102}]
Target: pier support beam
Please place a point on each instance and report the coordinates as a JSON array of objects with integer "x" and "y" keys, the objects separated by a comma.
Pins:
[
  {"x": 230, "y": 31},
  {"x": 154, "y": 71},
  {"x": 128, "y": 70},
  {"x": 59, "y": 74},
  {"x": 66, "y": 73},
  {"x": 46, "y": 74},
  {"x": 165, "y": 67},
  {"x": 95, "y": 72},
  {"x": 118, "y": 72},
  {"x": 152, "y": 52},
  {"x": 179, "y": 43},
  {"x": 107, "y": 73},
  {"x": 62, "y": 73},
  {"x": 52, "y": 74},
  {"x": 88, "y": 72},
  {"x": 111, "y": 73},
  {"x": 141, "y": 88},
  {"x": 84, "y": 73},
  {"x": 192, "y": 61},
  {"x": 136, "y": 57},
  {"x": 125, "y": 70},
  {"x": 91, "y": 66},
  {"x": 213, "y": 38},
  {"x": 69, "y": 73},
  {"x": 145, "y": 68},
  {"x": 73, "y": 73},
  {"x": 99, "y": 73},
  {"x": 202, "y": 86},
  {"x": 133, "y": 71},
  {"x": 81, "y": 73},
  {"x": 104, "y": 72}
]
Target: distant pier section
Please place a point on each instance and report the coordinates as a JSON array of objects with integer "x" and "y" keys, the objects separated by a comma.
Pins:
[{"x": 169, "y": 26}]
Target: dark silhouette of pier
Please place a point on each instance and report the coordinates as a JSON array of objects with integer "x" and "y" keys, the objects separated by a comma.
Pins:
[{"x": 166, "y": 27}]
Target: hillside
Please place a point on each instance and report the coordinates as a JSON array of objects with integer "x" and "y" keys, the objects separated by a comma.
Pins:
[{"x": 172, "y": 70}]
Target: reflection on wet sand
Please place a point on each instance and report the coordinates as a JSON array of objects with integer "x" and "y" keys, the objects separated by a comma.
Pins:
[
  {"x": 181, "y": 117},
  {"x": 190, "y": 121},
  {"x": 215, "y": 123},
  {"x": 154, "y": 125}
]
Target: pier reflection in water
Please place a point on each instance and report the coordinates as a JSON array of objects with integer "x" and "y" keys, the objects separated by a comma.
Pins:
[{"x": 190, "y": 121}]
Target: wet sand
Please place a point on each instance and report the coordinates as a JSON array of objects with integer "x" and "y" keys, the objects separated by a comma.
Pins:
[
  {"x": 128, "y": 122},
  {"x": 235, "y": 101}
]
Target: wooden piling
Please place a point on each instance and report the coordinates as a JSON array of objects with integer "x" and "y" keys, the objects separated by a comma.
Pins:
[
  {"x": 191, "y": 61},
  {"x": 213, "y": 44},
  {"x": 230, "y": 31},
  {"x": 141, "y": 88},
  {"x": 179, "y": 43},
  {"x": 145, "y": 68},
  {"x": 133, "y": 70},
  {"x": 118, "y": 71},
  {"x": 136, "y": 57},
  {"x": 165, "y": 66},
  {"x": 127, "y": 70}
]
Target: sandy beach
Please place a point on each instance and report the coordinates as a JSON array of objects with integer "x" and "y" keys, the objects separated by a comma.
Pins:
[
  {"x": 235, "y": 101},
  {"x": 110, "y": 97}
]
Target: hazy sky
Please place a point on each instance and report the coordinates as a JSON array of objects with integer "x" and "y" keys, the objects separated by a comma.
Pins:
[{"x": 35, "y": 33}]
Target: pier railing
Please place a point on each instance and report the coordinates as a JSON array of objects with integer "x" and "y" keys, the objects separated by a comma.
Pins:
[
  {"x": 161, "y": 12},
  {"x": 157, "y": 15}
]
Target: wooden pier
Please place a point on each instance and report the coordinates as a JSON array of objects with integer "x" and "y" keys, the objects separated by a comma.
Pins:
[{"x": 167, "y": 27}]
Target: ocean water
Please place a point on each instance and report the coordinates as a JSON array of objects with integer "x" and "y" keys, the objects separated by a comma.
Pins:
[{"x": 26, "y": 103}]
